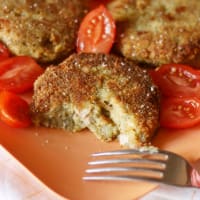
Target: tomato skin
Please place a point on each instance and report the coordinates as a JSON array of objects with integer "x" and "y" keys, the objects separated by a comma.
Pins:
[
  {"x": 93, "y": 4},
  {"x": 97, "y": 32},
  {"x": 177, "y": 80},
  {"x": 195, "y": 178},
  {"x": 4, "y": 52},
  {"x": 179, "y": 112},
  {"x": 17, "y": 74},
  {"x": 14, "y": 111}
]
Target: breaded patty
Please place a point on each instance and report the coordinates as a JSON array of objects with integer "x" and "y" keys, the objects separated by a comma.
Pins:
[
  {"x": 107, "y": 94},
  {"x": 45, "y": 30},
  {"x": 158, "y": 31}
]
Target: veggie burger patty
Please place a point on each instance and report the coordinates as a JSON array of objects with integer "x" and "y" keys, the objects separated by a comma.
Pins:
[
  {"x": 45, "y": 30},
  {"x": 158, "y": 31},
  {"x": 107, "y": 94}
]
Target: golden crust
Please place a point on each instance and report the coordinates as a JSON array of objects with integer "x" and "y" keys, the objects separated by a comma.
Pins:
[
  {"x": 78, "y": 78},
  {"x": 158, "y": 31}
]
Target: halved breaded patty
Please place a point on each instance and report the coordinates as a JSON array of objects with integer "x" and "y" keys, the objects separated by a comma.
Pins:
[
  {"x": 107, "y": 94},
  {"x": 45, "y": 30},
  {"x": 158, "y": 31}
]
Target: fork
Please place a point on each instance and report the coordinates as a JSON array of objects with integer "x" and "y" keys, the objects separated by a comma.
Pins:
[{"x": 141, "y": 164}]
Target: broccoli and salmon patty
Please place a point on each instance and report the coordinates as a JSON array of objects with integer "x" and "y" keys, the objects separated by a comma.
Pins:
[
  {"x": 109, "y": 95},
  {"x": 158, "y": 31},
  {"x": 45, "y": 30}
]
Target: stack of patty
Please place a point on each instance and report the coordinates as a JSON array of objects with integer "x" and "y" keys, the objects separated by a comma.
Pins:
[
  {"x": 107, "y": 94},
  {"x": 158, "y": 31}
]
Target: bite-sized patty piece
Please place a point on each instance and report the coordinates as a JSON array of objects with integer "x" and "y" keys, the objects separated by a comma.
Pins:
[
  {"x": 107, "y": 94},
  {"x": 45, "y": 30},
  {"x": 158, "y": 31}
]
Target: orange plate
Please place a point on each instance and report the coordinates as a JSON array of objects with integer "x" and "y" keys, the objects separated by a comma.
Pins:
[{"x": 59, "y": 159}]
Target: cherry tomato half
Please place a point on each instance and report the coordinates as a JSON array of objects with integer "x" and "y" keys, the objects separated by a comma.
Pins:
[
  {"x": 177, "y": 112},
  {"x": 17, "y": 74},
  {"x": 14, "y": 111},
  {"x": 97, "y": 32},
  {"x": 4, "y": 52},
  {"x": 177, "y": 80},
  {"x": 195, "y": 178}
]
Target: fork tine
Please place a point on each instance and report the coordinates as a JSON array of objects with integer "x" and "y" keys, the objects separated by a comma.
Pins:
[
  {"x": 156, "y": 154},
  {"x": 127, "y": 151},
  {"x": 118, "y": 169},
  {"x": 130, "y": 160},
  {"x": 120, "y": 178}
]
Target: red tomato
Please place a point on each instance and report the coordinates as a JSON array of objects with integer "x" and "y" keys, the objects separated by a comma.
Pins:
[
  {"x": 195, "y": 178},
  {"x": 17, "y": 74},
  {"x": 177, "y": 80},
  {"x": 93, "y": 4},
  {"x": 14, "y": 111},
  {"x": 97, "y": 32},
  {"x": 4, "y": 52},
  {"x": 180, "y": 112}
]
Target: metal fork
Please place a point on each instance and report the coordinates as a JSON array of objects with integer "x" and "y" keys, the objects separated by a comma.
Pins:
[{"x": 135, "y": 164}]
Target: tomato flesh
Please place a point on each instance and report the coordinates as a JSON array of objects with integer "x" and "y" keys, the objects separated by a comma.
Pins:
[
  {"x": 179, "y": 112},
  {"x": 195, "y": 178},
  {"x": 177, "y": 80},
  {"x": 17, "y": 74},
  {"x": 97, "y": 32},
  {"x": 14, "y": 111},
  {"x": 4, "y": 52}
]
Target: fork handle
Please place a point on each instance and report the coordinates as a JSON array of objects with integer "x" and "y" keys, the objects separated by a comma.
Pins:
[{"x": 195, "y": 178}]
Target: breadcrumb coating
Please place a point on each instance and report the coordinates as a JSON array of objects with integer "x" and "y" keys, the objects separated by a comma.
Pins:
[
  {"x": 45, "y": 30},
  {"x": 110, "y": 95},
  {"x": 158, "y": 31}
]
